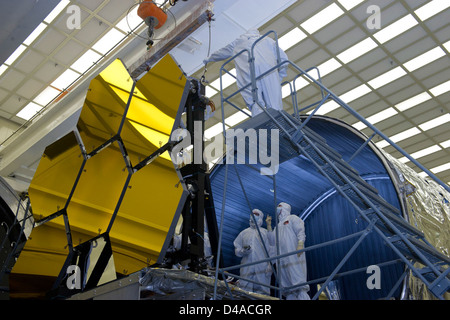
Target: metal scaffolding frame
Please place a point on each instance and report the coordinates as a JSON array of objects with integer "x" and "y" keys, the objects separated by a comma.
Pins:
[
  {"x": 21, "y": 217},
  {"x": 408, "y": 243}
]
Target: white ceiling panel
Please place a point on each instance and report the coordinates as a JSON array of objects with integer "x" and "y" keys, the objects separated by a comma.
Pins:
[
  {"x": 49, "y": 41},
  {"x": 89, "y": 4},
  {"x": 48, "y": 71},
  {"x": 3, "y": 94},
  {"x": 91, "y": 31},
  {"x": 401, "y": 83},
  {"x": 29, "y": 61},
  {"x": 261, "y": 10},
  {"x": 13, "y": 104},
  {"x": 66, "y": 22},
  {"x": 30, "y": 88},
  {"x": 438, "y": 21},
  {"x": 334, "y": 29},
  {"x": 420, "y": 109},
  {"x": 11, "y": 79},
  {"x": 114, "y": 9},
  {"x": 405, "y": 39},
  {"x": 280, "y": 26},
  {"x": 67, "y": 54},
  {"x": 343, "y": 42},
  {"x": 305, "y": 10}
]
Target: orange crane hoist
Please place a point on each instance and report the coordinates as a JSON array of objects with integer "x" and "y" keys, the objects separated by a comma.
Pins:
[{"x": 153, "y": 16}]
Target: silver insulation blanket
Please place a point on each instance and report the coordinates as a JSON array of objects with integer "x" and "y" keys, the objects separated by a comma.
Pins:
[
  {"x": 427, "y": 207},
  {"x": 167, "y": 282}
]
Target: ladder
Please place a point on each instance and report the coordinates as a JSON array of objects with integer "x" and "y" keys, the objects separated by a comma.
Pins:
[
  {"x": 406, "y": 241},
  {"x": 295, "y": 138}
]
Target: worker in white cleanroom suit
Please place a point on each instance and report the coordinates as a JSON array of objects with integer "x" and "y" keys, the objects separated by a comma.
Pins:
[
  {"x": 177, "y": 238},
  {"x": 249, "y": 245},
  {"x": 265, "y": 53},
  {"x": 291, "y": 237}
]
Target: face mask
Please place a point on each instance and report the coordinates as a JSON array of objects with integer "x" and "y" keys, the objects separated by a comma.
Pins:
[
  {"x": 258, "y": 220},
  {"x": 279, "y": 209}
]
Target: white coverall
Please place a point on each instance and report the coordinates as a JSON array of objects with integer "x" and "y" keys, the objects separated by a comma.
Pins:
[
  {"x": 291, "y": 236},
  {"x": 207, "y": 251},
  {"x": 248, "y": 245},
  {"x": 265, "y": 52}
]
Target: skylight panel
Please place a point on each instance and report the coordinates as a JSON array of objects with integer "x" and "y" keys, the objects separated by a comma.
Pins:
[
  {"x": 432, "y": 8},
  {"x": 327, "y": 108},
  {"x": 29, "y": 111},
  {"x": 108, "y": 41},
  {"x": 346, "y": 97},
  {"x": 210, "y": 92},
  {"x": 355, "y": 93},
  {"x": 399, "y": 137},
  {"x": 357, "y": 50},
  {"x": 441, "y": 168},
  {"x": 328, "y": 67},
  {"x": 130, "y": 22},
  {"x": 411, "y": 102},
  {"x": 302, "y": 82},
  {"x": 424, "y": 59},
  {"x": 378, "y": 117},
  {"x": 447, "y": 46},
  {"x": 405, "y": 134},
  {"x": 396, "y": 28},
  {"x": 56, "y": 11},
  {"x": 435, "y": 122},
  {"x": 422, "y": 153},
  {"x": 214, "y": 130},
  {"x": 65, "y": 79},
  {"x": 426, "y": 152},
  {"x": 285, "y": 90},
  {"x": 350, "y": 4},
  {"x": 445, "y": 144},
  {"x": 387, "y": 77},
  {"x": 382, "y": 144},
  {"x": 291, "y": 38},
  {"x": 227, "y": 80},
  {"x": 3, "y": 68},
  {"x": 85, "y": 61},
  {"x": 440, "y": 89},
  {"x": 46, "y": 96},
  {"x": 322, "y": 18},
  {"x": 35, "y": 34},
  {"x": 16, "y": 54},
  {"x": 236, "y": 118}
]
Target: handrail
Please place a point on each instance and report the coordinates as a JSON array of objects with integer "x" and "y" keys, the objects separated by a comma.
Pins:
[{"x": 330, "y": 95}]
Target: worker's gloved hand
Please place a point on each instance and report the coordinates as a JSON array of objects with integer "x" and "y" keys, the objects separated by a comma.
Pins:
[
  {"x": 300, "y": 246},
  {"x": 269, "y": 223},
  {"x": 246, "y": 250}
]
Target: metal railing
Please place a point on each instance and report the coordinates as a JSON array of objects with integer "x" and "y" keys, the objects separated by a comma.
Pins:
[{"x": 325, "y": 95}]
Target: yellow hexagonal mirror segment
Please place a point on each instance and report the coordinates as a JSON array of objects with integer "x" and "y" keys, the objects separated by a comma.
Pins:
[{"x": 89, "y": 180}]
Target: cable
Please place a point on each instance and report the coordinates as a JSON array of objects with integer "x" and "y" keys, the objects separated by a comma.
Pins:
[{"x": 203, "y": 79}]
